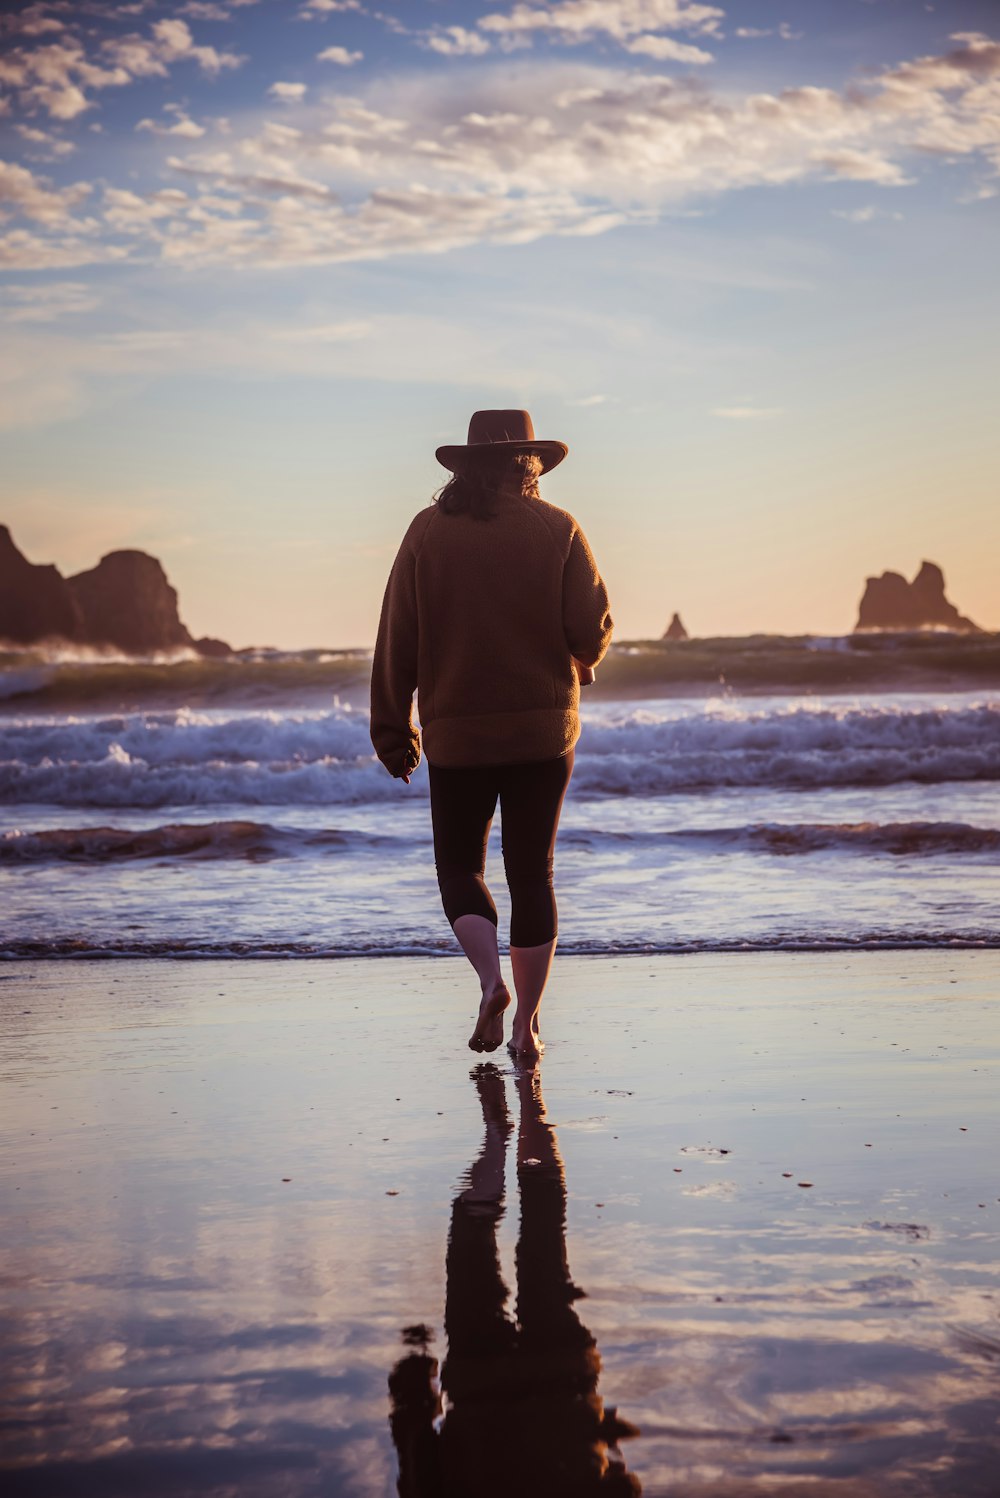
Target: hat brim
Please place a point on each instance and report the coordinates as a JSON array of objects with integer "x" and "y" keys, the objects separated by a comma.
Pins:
[{"x": 551, "y": 453}]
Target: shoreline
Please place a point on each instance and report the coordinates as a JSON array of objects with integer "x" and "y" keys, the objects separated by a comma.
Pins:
[{"x": 71, "y": 951}]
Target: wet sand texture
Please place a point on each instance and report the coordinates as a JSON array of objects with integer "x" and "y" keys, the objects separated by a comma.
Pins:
[{"x": 238, "y": 1258}]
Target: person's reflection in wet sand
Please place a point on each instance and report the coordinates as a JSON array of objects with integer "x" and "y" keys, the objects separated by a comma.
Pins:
[{"x": 523, "y": 1413}]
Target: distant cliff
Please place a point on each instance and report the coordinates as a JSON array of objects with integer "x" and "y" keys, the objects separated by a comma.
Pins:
[
  {"x": 890, "y": 602},
  {"x": 125, "y": 603}
]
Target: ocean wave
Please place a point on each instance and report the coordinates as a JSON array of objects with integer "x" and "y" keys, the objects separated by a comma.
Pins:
[
  {"x": 189, "y": 757},
  {"x": 255, "y": 842},
  {"x": 259, "y": 842},
  {"x": 899, "y": 839},
  {"x": 643, "y": 752},
  {"x": 24, "y": 682},
  {"x": 389, "y": 946},
  {"x": 75, "y": 677}
]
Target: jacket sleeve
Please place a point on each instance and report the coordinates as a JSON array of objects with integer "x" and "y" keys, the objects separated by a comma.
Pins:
[
  {"x": 587, "y": 622},
  {"x": 394, "y": 668}
]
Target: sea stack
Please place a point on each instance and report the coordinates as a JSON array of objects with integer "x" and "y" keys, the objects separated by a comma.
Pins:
[
  {"x": 36, "y": 603},
  {"x": 125, "y": 603},
  {"x": 675, "y": 630},
  {"x": 890, "y": 602}
]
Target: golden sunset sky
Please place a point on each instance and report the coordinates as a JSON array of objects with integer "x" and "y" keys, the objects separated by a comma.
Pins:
[{"x": 258, "y": 259}]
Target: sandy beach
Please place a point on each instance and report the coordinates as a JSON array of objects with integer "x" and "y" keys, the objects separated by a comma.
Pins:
[{"x": 228, "y": 1188}]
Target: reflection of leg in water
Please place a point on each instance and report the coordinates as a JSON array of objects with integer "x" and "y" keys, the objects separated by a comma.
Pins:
[
  {"x": 565, "y": 1431},
  {"x": 474, "y": 1317},
  {"x": 545, "y": 1292},
  {"x": 524, "y": 1418}
]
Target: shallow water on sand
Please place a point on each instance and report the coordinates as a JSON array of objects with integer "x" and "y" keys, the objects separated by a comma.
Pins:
[{"x": 229, "y": 1221}]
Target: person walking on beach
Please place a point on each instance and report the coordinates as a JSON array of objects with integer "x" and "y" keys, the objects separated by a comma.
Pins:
[{"x": 493, "y": 614}]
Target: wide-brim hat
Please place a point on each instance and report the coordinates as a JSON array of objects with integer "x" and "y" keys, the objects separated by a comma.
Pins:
[{"x": 511, "y": 431}]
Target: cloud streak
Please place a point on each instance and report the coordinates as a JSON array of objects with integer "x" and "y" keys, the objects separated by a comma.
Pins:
[{"x": 555, "y": 149}]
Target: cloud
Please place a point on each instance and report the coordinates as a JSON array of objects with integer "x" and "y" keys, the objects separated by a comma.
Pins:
[
  {"x": 47, "y": 147},
  {"x": 56, "y": 76},
  {"x": 864, "y": 215},
  {"x": 33, "y": 20},
  {"x": 748, "y": 413},
  {"x": 339, "y": 55},
  {"x": 169, "y": 41},
  {"x": 666, "y": 49},
  {"x": 300, "y": 223},
  {"x": 33, "y": 197},
  {"x": 455, "y": 41},
  {"x": 331, "y": 332},
  {"x": 49, "y": 77},
  {"x": 863, "y": 166},
  {"x": 548, "y": 148},
  {"x": 132, "y": 213},
  {"x": 24, "y": 250},
  {"x": 204, "y": 10},
  {"x": 219, "y": 169},
  {"x": 782, "y": 30},
  {"x": 288, "y": 93},
  {"x": 48, "y": 303},
  {"x": 182, "y": 125},
  {"x": 624, "y": 21},
  {"x": 318, "y": 10},
  {"x": 52, "y": 371}
]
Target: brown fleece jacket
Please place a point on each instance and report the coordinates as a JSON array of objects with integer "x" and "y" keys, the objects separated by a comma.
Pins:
[{"x": 483, "y": 619}]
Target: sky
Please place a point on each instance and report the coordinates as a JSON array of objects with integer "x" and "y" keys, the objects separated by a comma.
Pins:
[{"x": 258, "y": 258}]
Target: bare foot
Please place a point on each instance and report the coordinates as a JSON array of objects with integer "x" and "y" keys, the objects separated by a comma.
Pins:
[
  {"x": 488, "y": 1034},
  {"x": 525, "y": 1046},
  {"x": 525, "y": 1042}
]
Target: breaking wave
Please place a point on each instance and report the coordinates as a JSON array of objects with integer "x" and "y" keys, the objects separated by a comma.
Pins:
[{"x": 186, "y": 757}]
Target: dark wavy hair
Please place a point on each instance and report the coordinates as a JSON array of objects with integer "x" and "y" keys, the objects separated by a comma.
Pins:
[{"x": 478, "y": 487}]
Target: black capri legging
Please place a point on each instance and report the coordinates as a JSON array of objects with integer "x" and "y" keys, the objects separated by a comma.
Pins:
[{"x": 463, "y": 800}]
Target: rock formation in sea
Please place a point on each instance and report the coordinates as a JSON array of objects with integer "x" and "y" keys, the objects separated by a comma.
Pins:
[
  {"x": 890, "y": 602},
  {"x": 125, "y": 603},
  {"x": 35, "y": 601},
  {"x": 675, "y": 630}
]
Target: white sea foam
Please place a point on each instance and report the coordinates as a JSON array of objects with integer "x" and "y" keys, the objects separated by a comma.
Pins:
[{"x": 187, "y": 757}]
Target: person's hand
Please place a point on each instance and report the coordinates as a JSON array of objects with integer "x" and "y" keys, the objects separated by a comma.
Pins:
[
  {"x": 405, "y": 779},
  {"x": 585, "y": 673}
]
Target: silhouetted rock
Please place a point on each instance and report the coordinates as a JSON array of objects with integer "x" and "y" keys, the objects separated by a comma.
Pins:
[
  {"x": 207, "y": 646},
  {"x": 890, "y": 602},
  {"x": 125, "y": 602},
  {"x": 675, "y": 629},
  {"x": 36, "y": 603}
]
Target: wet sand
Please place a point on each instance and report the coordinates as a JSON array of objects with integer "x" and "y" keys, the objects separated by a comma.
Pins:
[{"x": 231, "y": 1220}]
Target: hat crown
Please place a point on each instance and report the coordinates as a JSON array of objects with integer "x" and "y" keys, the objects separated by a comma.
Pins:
[
  {"x": 500, "y": 426},
  {"x": 512, "y": 430}
]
